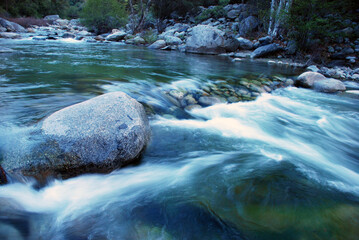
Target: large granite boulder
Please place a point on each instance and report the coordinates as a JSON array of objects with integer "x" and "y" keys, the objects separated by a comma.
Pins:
[
  {"x": 98, "y": 135},
  {"x": 11, "y": 26},
  {"x": 329, "y": 85},
  {"x": 206, "y": 40},
  {"x": 248, "y": 25},
  {"x": 308, "y": 79},
  {"x": 266, "y": 50},
  {"x": 117, "y": 36}
]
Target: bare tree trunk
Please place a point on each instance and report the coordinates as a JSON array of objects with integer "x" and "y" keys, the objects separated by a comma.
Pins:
[
  {"x": 144, "y": 12},
  {"x": 271, "y": 17},
  {"x": 278, "y": 19}
]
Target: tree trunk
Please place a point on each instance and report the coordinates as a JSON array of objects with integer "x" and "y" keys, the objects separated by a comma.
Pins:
[
  {"x": 278, "y": 19},
  {"x": 271, "y": 17}
]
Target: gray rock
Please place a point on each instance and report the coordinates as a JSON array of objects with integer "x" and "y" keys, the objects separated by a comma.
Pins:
[
  {"x": 117, "y": 36},
  {"x": 248, "y": 25},
  {"x": 331, "y": 49},
  {"x": 245, "y": 44},
  {"x": 52, "y": 17},
  {"x": 233, "y": 14},
  {"x": 243, "y": 54},
  {"x": 75, "y": 22},
  {"x": 231, "y": 44},
  {"x": 62, "y": 22},
  {"x": 158, "y": 44},
  {"x": 6, "y": 50},
  {"x": 206, "y": 40},
  {"x": 68, "y": 35},
  {"x": 329, "y": 85},
  {"x": 313, "y": 68},
  {"x": 10, "y": 35},
  {"x": 171, "y": 40},
  {"x": 208, "y": 101},
  {"x": 98, "y": 135},
  {"x": 138, "y": 40},
  {"x": 265, "y": 40},
  {"x": 266, "y": 50},
  {"x": 308, "y": 79},
  {"x": 11, "y": 26}
]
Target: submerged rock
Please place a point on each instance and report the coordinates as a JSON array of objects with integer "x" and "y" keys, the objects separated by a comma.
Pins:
[
  {"x": 329, "y": 85},
  {"x": 98, "y": 135}
]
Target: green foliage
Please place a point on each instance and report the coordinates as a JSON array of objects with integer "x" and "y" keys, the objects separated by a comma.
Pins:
[
  {"x": 35, "y": 8},
  {"x": 103, "y": 15},
  {"x": 316, "y": 19},
  {"x": 215, "y": 12},
  {"x": 150, "y": 36}
]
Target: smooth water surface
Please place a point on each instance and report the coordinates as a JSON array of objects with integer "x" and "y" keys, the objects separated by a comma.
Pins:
[{"x": 284, "y": 166}]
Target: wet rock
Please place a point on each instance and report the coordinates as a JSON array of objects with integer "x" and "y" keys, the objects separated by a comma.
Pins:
[
  {"x": 245, "y": 44},
  {"x": 68, "y": 35},
  {"x": 158, "y": 44},
  {"x": 98, "y": 135},
  {"x": 117, "y": 36},
  {"x": 330, "y": 85},
  {"x": 10, "y": 35},
  {"x": 209, "y": 101},
  {"x": 266, "y": 50},
  {"x": 11, "y": 26},
  {"x": 308, "y": 79},
  {"x": 206, "y": 40}
]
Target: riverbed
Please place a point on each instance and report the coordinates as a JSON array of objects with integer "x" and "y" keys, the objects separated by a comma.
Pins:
[{"x": 283, "y": 166}]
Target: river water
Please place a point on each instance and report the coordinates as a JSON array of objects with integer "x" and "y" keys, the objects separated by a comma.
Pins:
[{"x": 284, "y": 166}]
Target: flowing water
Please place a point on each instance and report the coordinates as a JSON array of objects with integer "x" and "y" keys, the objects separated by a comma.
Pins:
[{"x": 284, "y": 166}]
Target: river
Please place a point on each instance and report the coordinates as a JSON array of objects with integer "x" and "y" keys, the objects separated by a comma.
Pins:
[{"x": 284, "y": 166}]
